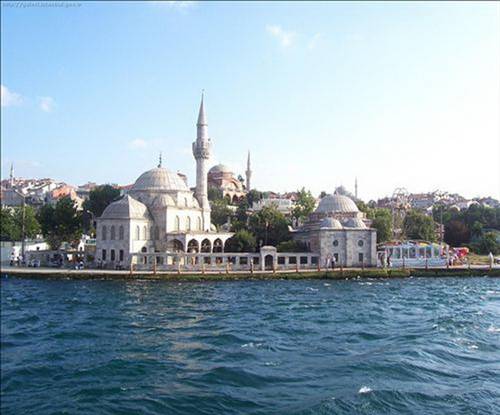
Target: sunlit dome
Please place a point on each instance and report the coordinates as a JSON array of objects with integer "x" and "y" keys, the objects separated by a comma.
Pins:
[
  {"x": 336, "y": 204},
  {"x": 355, "y": 223},
  {"x": 220, "y": 168},
  {"x": 126, "y": 208},
  {"x": 330, "y": 223},
  {"x": 159, "y": 179}
]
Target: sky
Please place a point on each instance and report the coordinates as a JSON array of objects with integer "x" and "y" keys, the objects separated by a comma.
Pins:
[{"x": 395, "y": 94}]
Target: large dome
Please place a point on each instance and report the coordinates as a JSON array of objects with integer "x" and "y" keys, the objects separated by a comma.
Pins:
[
  {"x": 159, "y": 179},
  {"x": 336, "y": 204},
  {"x": 126, "y": 208},
  {"x": 220, "y": 168}
]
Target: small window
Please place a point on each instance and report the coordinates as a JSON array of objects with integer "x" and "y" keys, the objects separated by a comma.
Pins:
[
  {"x": 292, "y": 260},
  {"x": 188, "y": 223},
  {"x": 360, "y": 242},
  {"x": 256, "y": 260},
  {"x": 121, "y": 254},
  {"x": 103, "y": 255},
  {"x": 137, "y": 233},
  {"x": 335, "y": 242},
  {"x": 104, "y": 233},
  {"x": 303, "y": 260},
  {"x": 112, "y": 234},
  {"x": 281, "y": 260},
  {"x": 336, "y": 256},
  {"x": 144, "y": 233},
  {"x": 314, "y": 260},
  {"x": 198, "y": 224},
  {"x": 243, "y": 260},
  {"x": 121, "y": 233},
  {"x": 360, "y": 257},
  {"x": 112, "y": 255}
]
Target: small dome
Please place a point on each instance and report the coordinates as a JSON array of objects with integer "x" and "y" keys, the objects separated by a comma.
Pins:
[
  {"x": 126, "y": 208},
  {"x": 336, "y": 204},
  {"x": 330, "y": 223},
  {"x": 220, "y": 168},
  {"x": 159, "y": 179},
  {"x": 355, "y": 223},
  {"x": 162, "y": 200}
]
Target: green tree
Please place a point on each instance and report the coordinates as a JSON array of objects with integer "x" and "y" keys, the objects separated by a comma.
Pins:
[
  {"x": 100, "y": 198},
  {"x": 220, "y": 212},
  {"x": 241, "y": 241},
  {"x": 31, "y": 224},
  {"x": 214, "y": 193},
  {"x": 304, "y": 205},
  {"x": 269, "y": 226},
  {"x": 456, "y": 233},
  {"x": 6, "y": 225},
  {"x": 62, "y": 223},
  {"x": 417, "y": 225},
  {"x": 12, "y": 223},
  {"x": 486, "y": 244},
  {"x": 382, "y": 222}
]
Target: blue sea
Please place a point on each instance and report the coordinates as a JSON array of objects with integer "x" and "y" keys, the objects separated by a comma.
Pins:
[{"x": 402, "y": 346}]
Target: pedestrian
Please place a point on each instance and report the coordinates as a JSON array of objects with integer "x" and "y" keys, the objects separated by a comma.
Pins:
[
  {"x": 333, "y": 262},
  {"x": 492, "y": 259},
  {"x": 12, "y": 258},
  {"x": 389, "y": 260}
]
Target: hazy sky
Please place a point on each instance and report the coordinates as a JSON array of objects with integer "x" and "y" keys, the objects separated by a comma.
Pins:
[{"x": 397, "y": 94}]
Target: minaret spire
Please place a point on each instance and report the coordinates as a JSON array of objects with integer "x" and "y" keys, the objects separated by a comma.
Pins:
[
  {"x": 249, "y": 173},
  {"x": 202, "y": 149},
  {"x": 159, "y": 161},
  {"x": 11, "y": 177},
  {"x": 356, "y": 187}
]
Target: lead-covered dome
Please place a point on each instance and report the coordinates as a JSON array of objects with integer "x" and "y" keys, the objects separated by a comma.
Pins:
[
  {"x": 159, "y": 179},
  {"x": 220, "y": 168},
  {"x": 126, "y": 208},
  {"x": 336, "y": 204},
  {"x": 355, "y": 223},
  {"x": 330, "y": 223}
]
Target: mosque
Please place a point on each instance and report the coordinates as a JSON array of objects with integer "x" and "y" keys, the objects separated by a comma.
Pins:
[
  {"x": 162, "y": 222},
  {"x": 160, "y": 213}
]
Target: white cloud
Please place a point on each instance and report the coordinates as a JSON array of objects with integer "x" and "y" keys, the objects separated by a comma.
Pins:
[
  {"x": 10, "y": 98},
  {"x": 314, "y": 41},
  {"x": 284, "y": 37},
  {"x": 46, "y": 104}
]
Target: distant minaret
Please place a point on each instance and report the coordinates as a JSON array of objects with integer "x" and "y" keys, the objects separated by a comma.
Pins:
[
  {"x": 11, "y": 177},
  {"x": 202, "y": 148},
  {"x": 356, "y": 187},
  {"x": 159, "y": 161},
  {"x": 249, "y": 173}
]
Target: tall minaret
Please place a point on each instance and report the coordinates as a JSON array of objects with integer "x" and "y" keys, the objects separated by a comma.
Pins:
[
  {"x": 356, "y": 187},
  {"x": 249, "y": 173},
  {"x": 11, "y": 177},
  {"x": 201, "y": 151}
]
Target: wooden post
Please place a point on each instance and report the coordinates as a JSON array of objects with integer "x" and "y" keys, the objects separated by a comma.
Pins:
[
  {"x": 227, "y": 267},
  {"x": 154, "y": 265},
  {"x": 251, "y": 265}
]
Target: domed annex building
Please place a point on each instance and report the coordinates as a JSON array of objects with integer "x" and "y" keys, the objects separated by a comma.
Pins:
[
  {"x": 221, "y": 177},
  {"x": 160, "y": 214},
  {"x": 338, "y": 230}
]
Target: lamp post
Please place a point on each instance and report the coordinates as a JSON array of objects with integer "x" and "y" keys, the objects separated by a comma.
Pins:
[{"x": 23, "y": 229}]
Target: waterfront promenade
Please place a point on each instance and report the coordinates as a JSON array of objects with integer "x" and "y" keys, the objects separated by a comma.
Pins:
[{"x": 64, "y": 273}]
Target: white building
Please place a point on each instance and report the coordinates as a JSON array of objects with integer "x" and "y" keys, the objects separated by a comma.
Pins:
[
  {"x": 160, "y": 214},
  {"x": 338, "y": 230}
]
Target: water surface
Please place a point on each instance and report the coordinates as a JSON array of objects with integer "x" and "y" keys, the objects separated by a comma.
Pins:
[{"x": 405, "y": 346}]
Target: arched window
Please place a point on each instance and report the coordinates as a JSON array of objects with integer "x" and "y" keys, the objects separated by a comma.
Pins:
[
  {"x": 104, "y": 233},
  {"x": 177, "y": 223},
  {"x": 112, "y": 234},
  {"x": 144, "y": 233},
  {"x": 186, "y": 202},
  {"x": 188, "y": 223},
  {"x": 120, "y": 233},
  {"x": 198, "y": 224},
  {"x": 157, "y": 233},
  {"x": 137, "y": 233}
]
